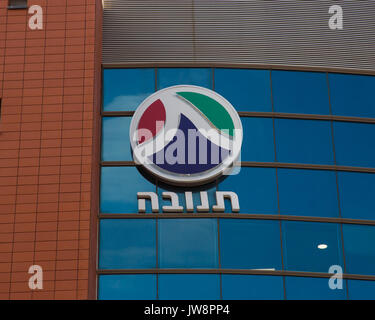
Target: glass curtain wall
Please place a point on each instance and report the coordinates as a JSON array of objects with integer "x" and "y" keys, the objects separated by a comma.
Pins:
[{"x": 306, "y": 188}]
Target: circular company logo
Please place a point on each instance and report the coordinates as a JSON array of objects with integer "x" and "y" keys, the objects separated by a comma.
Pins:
[{"x": 186, "y": 135}]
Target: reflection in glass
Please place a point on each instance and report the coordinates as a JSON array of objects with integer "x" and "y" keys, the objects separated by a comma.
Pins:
[
  {"x": 308, "y": 193},
  {"x": 352, "y": 95},
  {"x": 250, "y": 244},
  {"x": 361, "y": 290},
  {"x": 300, "y": 246},
  {"x": 256, "y": 190},
  {"x": 258, "y": 141},
  {"x": 127, "y": 243},
  {"x": 180, "y": 191},
  {"x": 247, "y": 90},
  {"x": 125, "y": 89},
  {"x": 359, "y": 248},
  {"x": 357, "y": 192},
  {"x": 189, "y": 286},
  {"x": 244, "y": 287},
  {"x": 300, "y": 92},
  {"x": 304, "y": 141},
  {"x": 188, "y": 243},
  {"x": 355, "y": 144},
  {"x": 177, "y": 76},
  {"x": 115, "y": 139},
  {"x": 119, "y": 187},
  {"x": 127, "y": 287},
  {"x": 302, "y": 288}
]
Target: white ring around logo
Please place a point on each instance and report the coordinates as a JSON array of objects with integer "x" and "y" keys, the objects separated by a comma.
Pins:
[{"x": 175, "y": 106}]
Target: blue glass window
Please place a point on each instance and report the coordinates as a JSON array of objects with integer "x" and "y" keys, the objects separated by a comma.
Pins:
[
  {"x": 250, "y": 244},
  {"x": 357, "y": 192},
  {"x": 311, "y": 246},
  {"x": 127, "y": 287},
  {"x": 300, "y": 92},
  {"x": 115, "y": 139},
  {"x": 359, "y": 248},
  {"x": 256, "y": 190},
  {"x": 304, "y": 141},
  {"x": 211, "y": 197},
  {"x": 308, "y": 193},
  {"x": 181, "y": 196},
  {"x": 246, "y": 90},
  {"x": 127, "y": 243},
  {"x": 119, "y": 187},
  {"x": 244, "y": 287},
  {"x": 176, "y": 76},
  {"x": 166, "y": 202},
  {"x": 125, "y": 89},
  {"x": 355, "y": 144},
  {"x": 301, "y": 288},
  {"x": 188, "y": 243},
  {"x": 258, "y": 141},
  {"x": 361, "y": 290},
  {"x": 352, "y": 95},
  {"x": 189, "y": 287}
]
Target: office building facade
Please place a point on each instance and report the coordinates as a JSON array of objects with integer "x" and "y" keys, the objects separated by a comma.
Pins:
[{"x": 304, "y": 180}]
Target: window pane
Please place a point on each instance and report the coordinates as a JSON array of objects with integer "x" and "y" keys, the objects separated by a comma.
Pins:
[
  {"x": 359, "y": 248},
  {"x": 115, "y": 139},
  {"x": 256, "y": 190},
  {"x": 258, "y": 141},
  {"x": 301, "y": 241},
  {"x": 355, "y": 144},
  {"x": 361, "y": 290},
  {"x": 127, "y": 243},
  {"x": 308, "y": 193},
  {"x": 188, "y": 243},
  {"x": 189, "y": 287},
  {"x": 125, "y": 89},
  {"x": 352, "y": 95},
  {"x": 180, "y": 191},
  {"x": 304, "y": 141},
  {"x": 176, "y": 76},
  {"x": 16, "y": 4},
  {"x": 246, "y": 90},
  {"x": 250, "y": 244},
  {"x": 243, "y": 287},
  {"x": 127, "y": 287},
  {"x": 301, "y": 288},
  {"x": 119, "y": 187},
  {"x": 300, "y": 92},
  {"x": 357, "y": 191}
]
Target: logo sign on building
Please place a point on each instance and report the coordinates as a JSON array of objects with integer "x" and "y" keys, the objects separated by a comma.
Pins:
[{"x": 186, "y": 135}]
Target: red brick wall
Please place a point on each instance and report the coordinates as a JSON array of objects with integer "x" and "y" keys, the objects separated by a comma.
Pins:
[{"x": 47, "y": 86}]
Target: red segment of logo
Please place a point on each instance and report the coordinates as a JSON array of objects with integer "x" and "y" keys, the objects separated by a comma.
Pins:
[{"x": 155, "y": 112}]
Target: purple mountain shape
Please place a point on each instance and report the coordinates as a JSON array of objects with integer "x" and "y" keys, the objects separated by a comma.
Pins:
[{"x": 195, "y": 167}]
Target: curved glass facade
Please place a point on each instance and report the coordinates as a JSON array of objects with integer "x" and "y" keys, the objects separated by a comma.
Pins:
[{"x": 306, "y": 185}]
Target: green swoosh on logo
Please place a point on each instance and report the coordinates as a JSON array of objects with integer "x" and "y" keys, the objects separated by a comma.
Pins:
[{"x": 211, "y": 109}]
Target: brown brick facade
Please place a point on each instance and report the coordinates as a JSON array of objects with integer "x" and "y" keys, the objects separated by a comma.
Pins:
[{"x": 48, "y": 86}]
